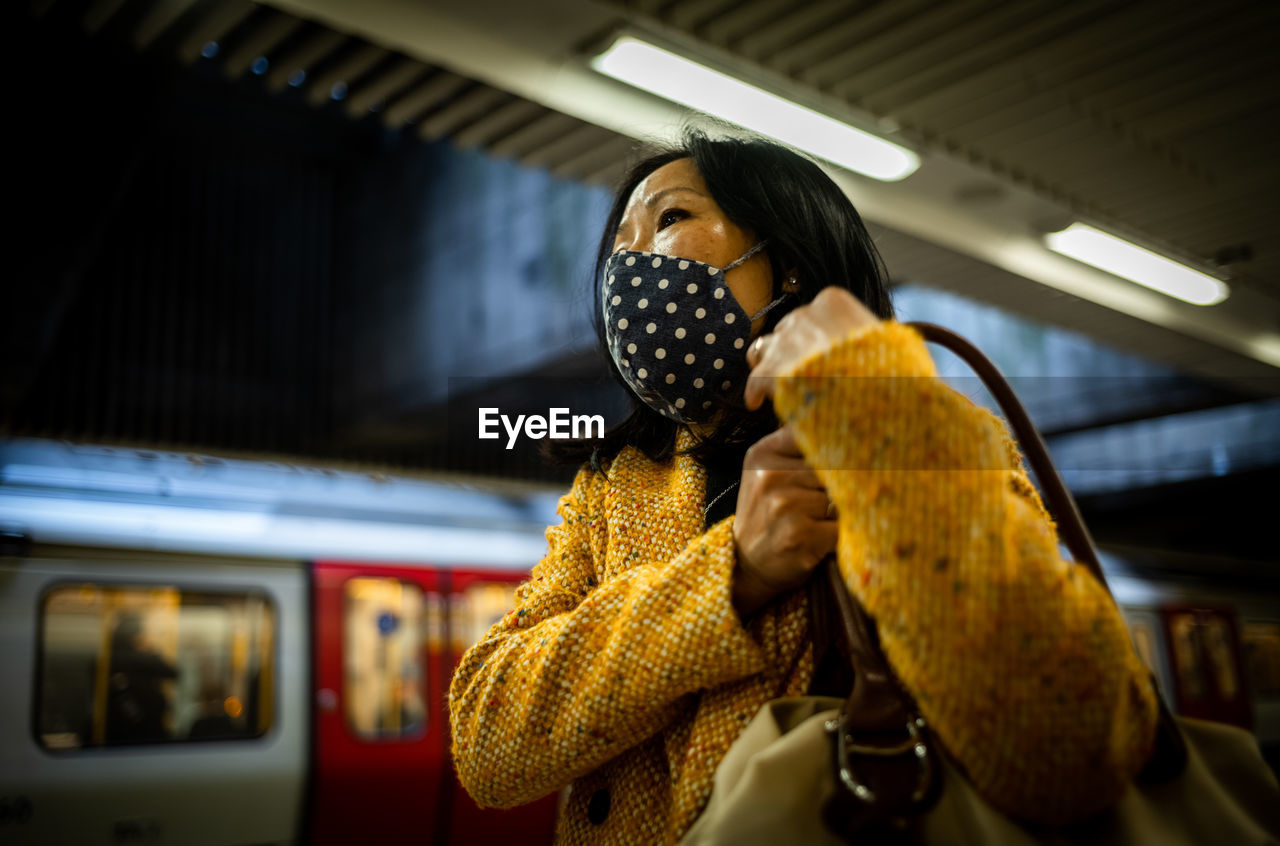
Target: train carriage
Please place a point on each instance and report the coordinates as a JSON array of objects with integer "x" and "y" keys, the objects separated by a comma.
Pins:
[{"x": 299, "y": 625}]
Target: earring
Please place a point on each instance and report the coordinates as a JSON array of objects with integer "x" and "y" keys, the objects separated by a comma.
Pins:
[{"x": 790, "y": 285}]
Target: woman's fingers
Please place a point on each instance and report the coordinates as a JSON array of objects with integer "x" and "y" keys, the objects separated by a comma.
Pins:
[
  {"x": 784, "y": 523},
  {"x": 813, "y": 503},
  {"x": 780, "y": 442},
  {"x": 756, "y": 351},
  {"x": 826, "y": 533},
  {"x": 808, "y": 330},
  {"x": 773, "y": 478},
  {"x": 776, "y": 461},
  {"x": 773, "y": 353}
]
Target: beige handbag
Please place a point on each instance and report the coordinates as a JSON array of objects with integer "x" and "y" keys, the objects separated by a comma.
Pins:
[{"x": 825, "y": 770}]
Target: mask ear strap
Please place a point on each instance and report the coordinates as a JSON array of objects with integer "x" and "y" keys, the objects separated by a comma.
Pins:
[
  {"x": 748, "y": 254},
  {"x": 769, "y": 307}
]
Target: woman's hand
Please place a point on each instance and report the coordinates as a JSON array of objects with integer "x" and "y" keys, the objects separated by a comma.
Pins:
[
  {"x": 810, "y": 329},
  {"x": 785, "y": 522}
]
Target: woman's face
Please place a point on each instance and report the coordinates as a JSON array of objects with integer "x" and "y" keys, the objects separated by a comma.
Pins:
[{"x": 672, "y": 213}]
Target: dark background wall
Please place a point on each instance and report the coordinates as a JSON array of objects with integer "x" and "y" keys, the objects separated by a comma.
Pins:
[{"x": 202, "y": 264}]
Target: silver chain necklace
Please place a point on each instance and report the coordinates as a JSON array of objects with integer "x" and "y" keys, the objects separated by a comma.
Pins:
[{"x": 719, "y": 496}]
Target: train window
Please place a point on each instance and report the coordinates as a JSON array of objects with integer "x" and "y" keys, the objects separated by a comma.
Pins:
[
  {"x": 128, "y": 664},
  {"x": 383, "y": 674},
  {"x": 1221, "y": 656},
  {"x": 1262, "y": 657},
  {"x": 480, "y": 606},
  {"x": 1186, "y": 637},
  {"x": 1144, "y": 644},
  {"x": 1144, "y": 631}
]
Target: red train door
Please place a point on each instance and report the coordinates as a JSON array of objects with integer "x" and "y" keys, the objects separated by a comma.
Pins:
[
  {"x": 380, "y": 734},
  {"x": 478, "y": 599},
  {"x": 386, "y": 642}
]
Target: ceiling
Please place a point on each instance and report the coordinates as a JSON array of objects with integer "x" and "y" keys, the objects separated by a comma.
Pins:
[{"x": 1153, "y": 120}]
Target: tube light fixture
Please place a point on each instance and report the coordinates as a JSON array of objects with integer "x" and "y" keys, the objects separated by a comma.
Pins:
[
  {"x": 1117, "y": 256},
  {"x": 697, "y": 86}
]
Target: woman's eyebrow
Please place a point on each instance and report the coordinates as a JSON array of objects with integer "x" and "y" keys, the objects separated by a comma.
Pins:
[{"x": 653, "y": 200}]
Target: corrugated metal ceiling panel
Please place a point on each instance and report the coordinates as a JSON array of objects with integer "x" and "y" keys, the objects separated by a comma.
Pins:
[
  {"x": 1154, "y": 118},
  {"x": 330, "y": 65}
]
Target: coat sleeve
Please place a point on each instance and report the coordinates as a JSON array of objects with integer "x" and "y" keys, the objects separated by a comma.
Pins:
[
  {"x": 1018, "y": 659},
  {"x": 583, "y": 669}
]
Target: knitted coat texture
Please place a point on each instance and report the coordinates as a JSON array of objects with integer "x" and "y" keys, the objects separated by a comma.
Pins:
[{"x": 625, "y": 671}]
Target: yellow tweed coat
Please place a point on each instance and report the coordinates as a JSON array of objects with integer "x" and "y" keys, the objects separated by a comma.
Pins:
[{"x": 625, "y": 670}]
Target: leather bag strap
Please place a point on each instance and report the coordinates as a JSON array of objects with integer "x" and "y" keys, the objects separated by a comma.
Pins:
[
  {"x": 1058, "y": 499},
  {"x": 884, "y": 762},
  {"x": 1169, "y": 757}
]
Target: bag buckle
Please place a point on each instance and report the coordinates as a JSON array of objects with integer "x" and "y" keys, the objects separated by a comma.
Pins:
[{"x": 914, "y": 745}]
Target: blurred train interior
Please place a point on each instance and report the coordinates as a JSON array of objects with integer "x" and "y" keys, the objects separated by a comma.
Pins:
[{"x": 204, "y": 650}]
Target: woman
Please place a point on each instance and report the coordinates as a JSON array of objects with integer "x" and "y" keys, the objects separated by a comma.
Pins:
[{"x": 668, "y": 610}]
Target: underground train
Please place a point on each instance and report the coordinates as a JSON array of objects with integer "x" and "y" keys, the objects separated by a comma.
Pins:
[{"x": 201, "y": 650}]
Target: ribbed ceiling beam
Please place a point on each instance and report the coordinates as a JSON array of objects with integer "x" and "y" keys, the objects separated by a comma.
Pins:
[
  {"x": 99, "y": 12},
  {"x": 498, "y": 124},
  {"x": 461, "y": 112},
  {"x": 531, "y": 136},
  {"x": 346, "y": 71},
  {"x": 837, "y": 38},
  {"x": 725, "y": 27},
  {"x": 593, "y": 163},
  {"x": 952, "y": 55},
  {"x": 691, "y": 13},
  {"x": 386, "y": 85},
  {"x": 800, "y": 23},
  {"x": 216, "y": 23},
  {"x": 572, "y": 143},
  {"x": 876, "y": 35},
  {"x": 648, "y": 7},
  {"x": 262, "y": 40},
  {"x": 421, "y": 99},
  {"x": 159, "y": 18},
  {"x": 304, "y": 57}
]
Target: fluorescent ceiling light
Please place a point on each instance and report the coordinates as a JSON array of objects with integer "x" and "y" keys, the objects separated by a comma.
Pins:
[
  {"x": 676, "y": 78},
  {"x": 1109, "y": 253}
]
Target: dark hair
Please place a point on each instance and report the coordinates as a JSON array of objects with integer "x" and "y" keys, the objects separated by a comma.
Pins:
[{"x": 811, "y": 227}]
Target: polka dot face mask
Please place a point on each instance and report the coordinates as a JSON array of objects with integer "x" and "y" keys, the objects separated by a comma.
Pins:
[{"x": 676, "y": 332}]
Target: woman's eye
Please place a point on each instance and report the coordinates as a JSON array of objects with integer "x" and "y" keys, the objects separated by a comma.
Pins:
[{"x": 671, "y": 216}]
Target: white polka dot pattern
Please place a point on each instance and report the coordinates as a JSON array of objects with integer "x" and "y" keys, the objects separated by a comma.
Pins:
[{"x": 649, "y": 337}]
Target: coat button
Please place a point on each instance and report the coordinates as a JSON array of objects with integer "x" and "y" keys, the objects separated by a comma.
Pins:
[{"x": 598, "y": 807}]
